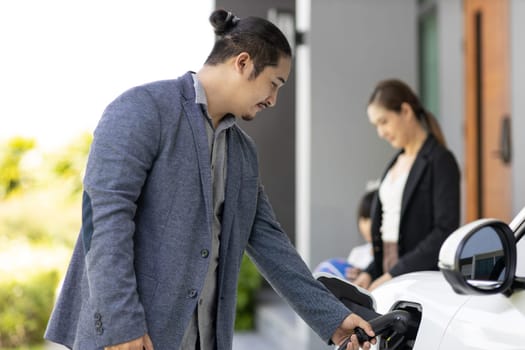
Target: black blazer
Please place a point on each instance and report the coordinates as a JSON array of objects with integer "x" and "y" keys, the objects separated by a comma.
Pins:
[{"x": 430, "y": 211}]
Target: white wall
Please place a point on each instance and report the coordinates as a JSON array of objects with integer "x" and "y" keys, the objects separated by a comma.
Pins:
[
  {"x": 350, "y": 46},
  {"x": 452, "y": 77},
  {"x": 353, "y": 44},
  {"x": 517, "y": 13}
]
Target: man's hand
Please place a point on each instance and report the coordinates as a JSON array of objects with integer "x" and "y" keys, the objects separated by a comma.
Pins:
[
  {"x": 141, "y": 343},
  {"x": 346, "y": 328}
]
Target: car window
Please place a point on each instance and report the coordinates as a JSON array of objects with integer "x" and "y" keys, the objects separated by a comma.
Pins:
[{"x": 520, "y": 268}]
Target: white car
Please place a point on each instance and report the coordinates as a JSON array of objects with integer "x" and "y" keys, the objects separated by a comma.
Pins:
[{"x": 476, "y": 301}]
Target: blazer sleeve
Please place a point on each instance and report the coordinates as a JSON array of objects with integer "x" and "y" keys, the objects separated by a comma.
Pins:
[
  {"x": 281, "y": 265},
  {"x": 446, "y": 216},
  {"x": 124, "y": 147}
]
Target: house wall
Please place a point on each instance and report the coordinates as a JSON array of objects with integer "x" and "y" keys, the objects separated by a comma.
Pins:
[
  {"x": 452, "y": 89},
  {"x": 350, "y": 45},
  {"x": 353, "y": 45},
  {"x": 274, "y": 129},
  {"x": 451, "y": 79},
  {"x": 517, "y": 28}
]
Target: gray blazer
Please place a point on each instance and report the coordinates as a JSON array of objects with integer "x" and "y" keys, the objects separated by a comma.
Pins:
[{"x": 140, "y": 261}]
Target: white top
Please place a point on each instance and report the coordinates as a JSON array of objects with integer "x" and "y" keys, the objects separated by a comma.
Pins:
[
  {"x": 361, "y": 256},
  {"x": 391, "y": 194}
]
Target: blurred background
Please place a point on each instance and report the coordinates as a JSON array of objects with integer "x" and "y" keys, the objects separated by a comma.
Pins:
[{"x": 62, "y": 62}]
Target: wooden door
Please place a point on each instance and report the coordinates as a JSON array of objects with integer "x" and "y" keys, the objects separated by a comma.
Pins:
[{"x": 488, "y": 163}]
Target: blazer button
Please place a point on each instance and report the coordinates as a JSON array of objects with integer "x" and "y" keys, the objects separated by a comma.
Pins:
[
  {"x": 205, "y": 253},
  {"x": 192, "y": 293},
  {"x": 98, "y": 316},
  {"x": 100, "y": 331}
]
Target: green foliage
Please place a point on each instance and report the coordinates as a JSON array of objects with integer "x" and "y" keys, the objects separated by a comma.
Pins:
[
  {"x": 249, "y": 283},
  {"x": 11, "y": 178},
  {"x": 46, "y": 210},
  {"x": 39, "y": 222},
  {"x": 42, "y": 217},
  {"x": 25, "y": 306},
  {"x": 68, "y": 164},
  {"x": 41, "y": 346}
]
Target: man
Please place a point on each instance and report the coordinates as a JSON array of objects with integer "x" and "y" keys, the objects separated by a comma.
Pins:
[{"x": 172, "y": 199}]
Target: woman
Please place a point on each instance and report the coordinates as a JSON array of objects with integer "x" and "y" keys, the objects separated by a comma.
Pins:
[{"x": 418, "y": 202}]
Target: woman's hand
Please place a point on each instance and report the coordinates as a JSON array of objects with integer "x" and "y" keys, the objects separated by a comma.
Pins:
[
  {"x": 141, "y": 343},
  {"x": 351, "y": 273},
  {"x": 384, "y": 278},
  {"x": 363, "y": 280}
]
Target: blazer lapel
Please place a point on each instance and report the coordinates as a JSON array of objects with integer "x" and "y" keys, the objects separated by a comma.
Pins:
[
  {"x": 231, "y": 195},
  {"x": 416, "y": 172},
  {"x": 233, "y": 180},
  {"x": 233, "y": 183},
  {"x": 196, "y": 120}
]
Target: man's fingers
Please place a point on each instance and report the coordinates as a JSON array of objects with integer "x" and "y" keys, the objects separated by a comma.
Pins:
[
  {"x": 148, "y": 344},
  {"x": 136, "y": 344},
  {"x": 354, "y": 344},
  {"x": 361, "y": 323}
]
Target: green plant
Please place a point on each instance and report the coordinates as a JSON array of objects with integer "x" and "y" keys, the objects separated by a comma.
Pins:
[
  {"x": 11, "y": 178},
  {"x": 249, "y": 283},
  {"x": 46, "y": 210},
  {"x": 68, "y": 165},
  {"x": 41, "y": 346},
  {"x": 39, "y": 220},
  {"x": 25, "y": 306}
]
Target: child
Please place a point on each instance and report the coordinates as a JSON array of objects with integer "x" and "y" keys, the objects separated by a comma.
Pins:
[{"x": 361, "y": 256}]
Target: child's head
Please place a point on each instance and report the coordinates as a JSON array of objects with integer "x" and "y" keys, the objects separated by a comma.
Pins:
[{"x": 364, "y": 221}]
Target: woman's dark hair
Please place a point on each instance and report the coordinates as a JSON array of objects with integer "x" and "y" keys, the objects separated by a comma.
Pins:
[
  {"x": 261, "y": 39},
  {"x": 391, "y": 93},
  {"x": 365, "y": 205}
]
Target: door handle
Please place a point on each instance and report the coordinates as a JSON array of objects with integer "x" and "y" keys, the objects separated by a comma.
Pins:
[{"x": 505, "y": 151}]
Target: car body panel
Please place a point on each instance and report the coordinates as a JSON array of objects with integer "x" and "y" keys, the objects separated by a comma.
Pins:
[
  {"x": 488, "y": 322},
  {"x": 430, "y": 290},
  {"x": 454, "y": 321},
  {"x": 469, "y": 321},
  {"x": 520, "y": 262}
]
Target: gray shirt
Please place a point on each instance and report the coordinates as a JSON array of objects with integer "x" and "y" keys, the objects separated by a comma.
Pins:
[{"x": 200, "y": 333}]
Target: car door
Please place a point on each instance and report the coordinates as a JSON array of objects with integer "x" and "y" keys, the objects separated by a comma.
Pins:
[{"x": 488, "y": 322}]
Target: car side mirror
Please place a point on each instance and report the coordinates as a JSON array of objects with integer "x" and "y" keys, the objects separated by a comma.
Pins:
[{"x": 479, "y": 258}]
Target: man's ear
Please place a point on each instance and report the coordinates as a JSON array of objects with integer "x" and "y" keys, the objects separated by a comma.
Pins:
[{"x": 243, "y": 63}]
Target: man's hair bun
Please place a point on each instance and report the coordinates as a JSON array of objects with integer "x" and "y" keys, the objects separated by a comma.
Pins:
[{"x": 223, "y": 21}]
